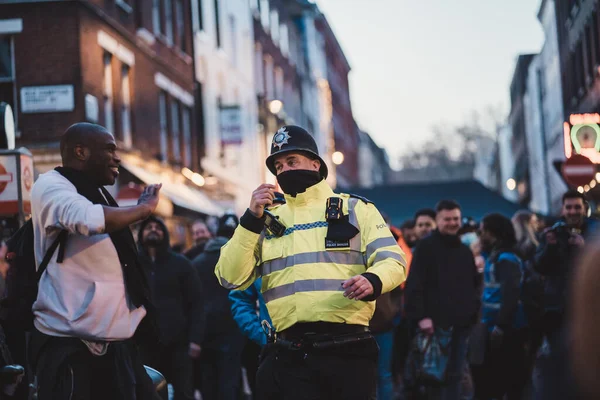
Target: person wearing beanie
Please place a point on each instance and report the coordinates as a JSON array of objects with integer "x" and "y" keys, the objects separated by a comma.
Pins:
[
  {"x": 221, "y": 360},
  {"x": 324, "y": 259},
  {"x": 177, "y": 294}
]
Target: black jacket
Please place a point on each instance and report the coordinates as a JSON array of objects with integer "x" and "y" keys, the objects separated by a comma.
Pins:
[
  {"x": 195, "y": 251},
  {"x": 555, "y": 263},
  {"x": 217, "y": 306},
  {"x": 176, "y": 292},
  {"x": 443, "y": 283}
]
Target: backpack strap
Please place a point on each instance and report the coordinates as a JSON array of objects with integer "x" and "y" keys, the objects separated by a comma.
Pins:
[{"x": 61, "y": 240}]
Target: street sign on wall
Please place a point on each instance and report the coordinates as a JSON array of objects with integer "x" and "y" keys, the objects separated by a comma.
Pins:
[
  {"x": 231, "y": 125},
  {"x": 579, "y": 170},
  {"x": 40, "y": 99},
  {"x": 9, "y": 189}
]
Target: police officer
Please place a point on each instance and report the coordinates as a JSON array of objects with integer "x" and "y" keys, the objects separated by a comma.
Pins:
[{"x": 324, "y": 258}]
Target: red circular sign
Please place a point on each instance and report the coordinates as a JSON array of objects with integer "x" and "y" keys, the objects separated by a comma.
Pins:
[
  {"x": 579, "y": 170},
  {"x": 27, "y": 178}
]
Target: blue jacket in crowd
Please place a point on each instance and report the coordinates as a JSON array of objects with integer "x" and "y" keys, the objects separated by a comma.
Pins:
[{"x": 243, "y": 309}]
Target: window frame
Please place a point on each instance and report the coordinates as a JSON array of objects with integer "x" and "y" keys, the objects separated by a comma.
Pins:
[
  {"x": 108, "y": 99},
  {"x": 126, "y": 110},
  {"x": 163, "y": 125}
]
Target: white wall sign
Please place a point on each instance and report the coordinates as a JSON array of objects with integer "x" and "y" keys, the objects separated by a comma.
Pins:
[
  {"x": 91, "y": 108},
  {"x": 40, "y": 99},
  {"x": 231, "y": 125}
]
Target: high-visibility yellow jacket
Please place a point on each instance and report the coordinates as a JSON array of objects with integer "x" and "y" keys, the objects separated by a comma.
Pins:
[{"x": 302, "y": 280}]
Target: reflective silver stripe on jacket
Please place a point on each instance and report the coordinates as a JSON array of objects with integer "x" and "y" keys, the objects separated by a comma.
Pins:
[
  {"x": 378, "y": 243},
  {"x": 228, "y": 285},
  {"x": 336, "y": 257},
  {"x": 382, "y": 255},
  {"x": 311, "y": 285},
  {"x": 495, "y": 306}
]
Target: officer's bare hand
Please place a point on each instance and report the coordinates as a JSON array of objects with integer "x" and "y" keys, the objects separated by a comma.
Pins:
[
  {"x": 262, "y": 197},
  {"x": 358, "y": 287}
]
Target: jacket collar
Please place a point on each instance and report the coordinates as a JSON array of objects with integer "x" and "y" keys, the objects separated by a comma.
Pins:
[{"x": 315, "y": 193}]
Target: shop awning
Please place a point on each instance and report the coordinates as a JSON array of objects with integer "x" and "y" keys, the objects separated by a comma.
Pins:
[{"x": 179, "y": 193}]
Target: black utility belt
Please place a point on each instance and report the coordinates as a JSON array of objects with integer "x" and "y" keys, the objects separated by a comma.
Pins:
[{"x": 321, "y": 342}]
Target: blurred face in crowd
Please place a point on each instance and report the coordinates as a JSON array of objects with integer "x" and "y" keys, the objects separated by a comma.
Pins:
[
  {"x": 410, "y": 236},
  {"x": 152, "y": 235},
  {"x": 573, "y": 211},
  {"x": 424, "y": 224},
  {"x": 200, "y": 232},
  {"x": 448, "y": 221},
  {"x": 534, "y": 223},
  {"x": 486, "y": 239}
]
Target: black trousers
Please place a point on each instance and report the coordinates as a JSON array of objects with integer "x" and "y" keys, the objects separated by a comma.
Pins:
[
  {"x": 66, "y": 370},
  {"x": 504, "y": 371},
  {"x": 344, "y": 372},
  {"x": 250, "y": 356},
  {"x": 221, "y": 368},
  {"x": 174, "y": 362}
]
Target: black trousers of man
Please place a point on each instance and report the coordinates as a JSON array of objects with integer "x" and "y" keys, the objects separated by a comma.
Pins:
[
  {"x": 174, "y": 362},
  {"x": 344, "y": 372},
  {"x": 67, "y": 370},
  {"x": 504, "y": 371}
]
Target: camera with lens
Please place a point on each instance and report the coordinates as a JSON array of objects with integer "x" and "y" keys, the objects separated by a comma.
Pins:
[{"x": 563, "y": 232}]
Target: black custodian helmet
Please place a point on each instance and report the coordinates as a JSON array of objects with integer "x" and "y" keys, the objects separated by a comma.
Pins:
[{"x": 291, "y": 138}]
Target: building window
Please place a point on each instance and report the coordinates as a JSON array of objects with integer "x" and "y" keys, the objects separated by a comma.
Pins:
[
  {"x": 175, "y": 131},
  {"x": 259, "y": 76},
  {"x": 187, "y": 135},
  {"x": 200, "y": 16},
  {"x": 278, "y": 83},
  {"x": 162, "y": 115},
  {"x": 255, "y": 7},
  {"x": 109, "y": 121},
  {"x": 233, "y": 34},
  {"x": 7, "y": 72},
  {"x": 275, "y": 26},
  {"x": 264, "y": 13},
  {"x": 217, "y": 23},
  {"x": 126, "y": 107},
  {"x": 168, "y": 21},
  {"x": 180, "y": 28},
  {"x": 124, "y": 5},
  {"x": 6, "y": 58},
  {"x": 156, "y": 25},
  {"x": 269, "y": 77},
  {"x": 284, "y": 41}
]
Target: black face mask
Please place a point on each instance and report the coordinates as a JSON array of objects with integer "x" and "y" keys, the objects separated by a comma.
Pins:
[{"x": 297, "y": 181}]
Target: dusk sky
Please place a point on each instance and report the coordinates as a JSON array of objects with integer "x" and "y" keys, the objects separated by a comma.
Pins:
[{"x": 416, "y": 64}]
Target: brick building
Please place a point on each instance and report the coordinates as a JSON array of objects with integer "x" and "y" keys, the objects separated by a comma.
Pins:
[
  {"x": 123, "y": 64},
  {"x": 346, "y": 134}
]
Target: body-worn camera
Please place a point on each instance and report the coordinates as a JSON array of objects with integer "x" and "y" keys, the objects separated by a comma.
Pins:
[{"x": 273, "y": 225}]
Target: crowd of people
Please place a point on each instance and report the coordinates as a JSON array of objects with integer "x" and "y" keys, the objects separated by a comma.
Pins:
[{"x": 500, "y": 285}]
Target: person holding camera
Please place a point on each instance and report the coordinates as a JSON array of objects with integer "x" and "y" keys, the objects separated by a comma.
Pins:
[
  {"x": 555, "y": 259},
  {"x": 324, "y": 258}
]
